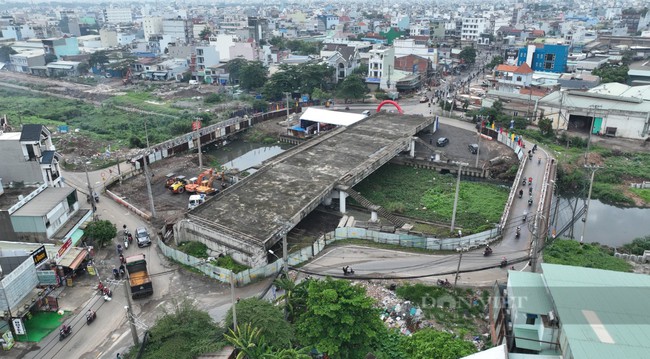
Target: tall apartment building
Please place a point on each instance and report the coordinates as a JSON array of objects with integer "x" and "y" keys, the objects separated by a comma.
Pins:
[
  {"x": 152, "y": 25},
  {"x": 118, "y": 15},
  {"x": 472, "y": 27},
  {"x": 180, "y": 29}
]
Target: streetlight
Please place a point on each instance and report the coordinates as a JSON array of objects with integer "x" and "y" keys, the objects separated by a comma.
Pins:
[
  {"x": 232, "y": 299},
  {"x": 90, "y": 191},
  {"x": 453, "y": 216}
]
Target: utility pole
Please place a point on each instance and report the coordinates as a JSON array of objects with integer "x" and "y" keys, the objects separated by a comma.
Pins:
[
  {"x": 453, "y": 216},
  {"x": 478, "y": 150},
  {"x": 148, "y": 182},
  {"x": 232, "y": 299},
  {"x": 535, "y": 244},
  {"x": 198, "y": 140},
  {"x": 458, "y": 269},
  {"x": 287, "y": 94},
  {"x": 90, "y": 192},
  {"x": 593, "y": 169},
  {"x": 129, "y": 314},
  {"x": 591, "y": 129}
]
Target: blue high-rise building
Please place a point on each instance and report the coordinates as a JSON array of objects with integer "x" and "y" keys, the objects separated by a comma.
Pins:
[{"x": 547, "y": 58}]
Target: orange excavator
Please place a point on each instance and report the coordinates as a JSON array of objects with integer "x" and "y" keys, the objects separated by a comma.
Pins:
[
  {"x": 206, "y": 185},
  {"x": 191, "y": 187}
]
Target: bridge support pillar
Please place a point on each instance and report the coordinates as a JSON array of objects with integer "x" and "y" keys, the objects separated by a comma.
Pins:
[
  {"x": 412, "y": 147},
  {"x": 327, "y": 201},
  {"x": 373, "y": 216},
  {"x": 342, "y": 197}
]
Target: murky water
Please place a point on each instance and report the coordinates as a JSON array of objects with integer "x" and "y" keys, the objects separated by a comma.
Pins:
[
  {"x": 243, "y": 155},
  {"x": 606, "y": 224}
]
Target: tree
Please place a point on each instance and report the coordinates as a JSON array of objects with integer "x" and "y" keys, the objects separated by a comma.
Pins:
[
  {"x": 546, "y": 127},
  {"x": 468, "y": 55},
  {"x": 362, "y": 70},
  {"x": 496, "y": 61},
  {"x": 267, "y": 318},
  {"x": 83, "y": 68},
  {"x": 50, "y": 58},
  {"x": 102, "y": 232},
  {"x": 279, "y": 42},
  {"x": 431, "y": 343},
  {"x": 185, "y": 333},
  {"x": 612, "y": 73},
  {"x": 319, "y": 94},
  {"x": 213, "y": 98},
  {"x": 253, "y": 75},
  {"x": 249, "y": 342},
  {"x": 98, "y": 59},
  {"x": 339, "y": 320},
  {"x": 5, "y": 52},
  {"x": 205, "y": 33},
  {"x": 352, "y": 87},
  {"x": 234, "y": 68}
]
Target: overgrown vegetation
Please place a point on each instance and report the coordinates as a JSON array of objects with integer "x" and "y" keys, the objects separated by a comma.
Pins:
[
  {"x": 428, "y": 195},
  {"x": 200, "y": 250},
  {"x": 573, "y": 253},
  {"x": 456, "y": 309},
  {"x": 637, "y": 247}
]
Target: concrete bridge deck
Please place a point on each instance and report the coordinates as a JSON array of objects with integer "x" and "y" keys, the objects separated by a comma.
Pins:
[{"x": 255, "y": 213}]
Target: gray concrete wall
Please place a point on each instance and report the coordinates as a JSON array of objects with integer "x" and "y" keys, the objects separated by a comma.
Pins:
[{"x": 15, "y": 169}]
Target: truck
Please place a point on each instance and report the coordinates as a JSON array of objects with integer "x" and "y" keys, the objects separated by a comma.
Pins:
[
  {"x": 139, "y": 280},
  {"x": 195, "y": 201}
]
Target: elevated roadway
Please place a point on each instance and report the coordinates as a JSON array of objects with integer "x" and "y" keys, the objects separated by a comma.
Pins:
[{"x": 251, "y": 216}]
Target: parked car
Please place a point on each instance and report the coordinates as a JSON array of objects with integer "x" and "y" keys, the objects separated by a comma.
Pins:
[
  {"x": 424, "y": 99},
  {"x": 142, "y": 236},
  {"x": 366, "y": 113},
  {"x": 473, "y": 148},
  {"x": 442, "y": 142}
]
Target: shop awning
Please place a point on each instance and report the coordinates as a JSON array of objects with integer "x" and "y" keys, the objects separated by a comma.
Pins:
[
  {"x": 73, "y": 258},
  {"x": 76, "y": 236}
]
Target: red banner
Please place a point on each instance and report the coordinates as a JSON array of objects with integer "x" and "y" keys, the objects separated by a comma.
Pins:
[
  {"x": 64, "y": 248},
  {"x": 196, "y": 125}
]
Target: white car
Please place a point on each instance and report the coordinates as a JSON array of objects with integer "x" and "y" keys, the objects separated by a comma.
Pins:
[{"x": 142, "y": 237}]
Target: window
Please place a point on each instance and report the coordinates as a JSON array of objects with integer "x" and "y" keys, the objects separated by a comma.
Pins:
[
  {"x": 518, "y": 78},
  {"x": 550, "y": 57},
  {"x": 530, "y": 319}
]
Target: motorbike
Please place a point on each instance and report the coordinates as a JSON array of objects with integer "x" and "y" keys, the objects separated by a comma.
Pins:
[
  {"x": 348, "y": 271},
  {"x": 504, "y": 263},
  {"x": 523, "y": 182},
  {"x": 90, "y": 317},
  {"x": 521, "y": 193},
  {"x": 530, "y": 181},
  {"x": 525, "y": 216},
  {"x": 126, "y": 243},
  {"x": 64, "y": 332},
  {"x": 518, "y": 233},
  {"x": 530, "y": 190},
  {"x": 530, "y": 201},
  {"x": 487, "y": 251},
  {"x": 94, "y": 195},
  {"x": 444, "y": 283}
]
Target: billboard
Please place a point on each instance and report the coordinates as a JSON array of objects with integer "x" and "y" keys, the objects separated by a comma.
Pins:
[{"x": 39, "y": 255}]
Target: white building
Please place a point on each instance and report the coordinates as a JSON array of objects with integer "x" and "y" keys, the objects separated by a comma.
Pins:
[
  {"x": 152, "y": 25},
  {"x": 405, "y": 47},
  {"x": 381, "y": 67},
  {"x": 118, "y": 15},
  {"x": 178, "y": 29},
  {"x": 206, "y": 56},
  {"x": 18, "y": 32},
  {"x": 472, "y": 27},
  {"x": 223, "y": 42},
  {"x": 198, "y": 28}
]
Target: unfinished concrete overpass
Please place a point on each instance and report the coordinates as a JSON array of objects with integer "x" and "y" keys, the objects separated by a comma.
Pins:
[{"x": 250, "y": 217}]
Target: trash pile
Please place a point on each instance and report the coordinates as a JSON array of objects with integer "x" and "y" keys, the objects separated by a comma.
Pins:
[{"x": 396, "y": 313}]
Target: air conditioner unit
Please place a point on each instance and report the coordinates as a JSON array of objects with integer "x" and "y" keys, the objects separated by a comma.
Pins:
[
  {"x": 509, "y": 326},
  {"x": 551, "y": 316}
]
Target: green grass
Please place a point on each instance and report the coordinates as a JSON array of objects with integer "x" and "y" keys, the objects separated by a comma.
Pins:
[
  {"x": 569, "y": 252},
  {"x": 229, "y": 263},
  {"x": 195, "y": 249},
  {"x": 105, "y": 123},
  {"x": 642, "y": 193},
  {"x": 138, "y": 99},
  {"x": 429, "y": 196}
]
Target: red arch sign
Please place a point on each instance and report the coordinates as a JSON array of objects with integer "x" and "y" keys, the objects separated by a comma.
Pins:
[{"x": 391, "y": 102}]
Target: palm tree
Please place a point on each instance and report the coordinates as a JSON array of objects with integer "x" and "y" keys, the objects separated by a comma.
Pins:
[
  {"x": 248, "y": 342},
  {"x": 289, "y": 354},
  {"x": 294, "y": 297}
]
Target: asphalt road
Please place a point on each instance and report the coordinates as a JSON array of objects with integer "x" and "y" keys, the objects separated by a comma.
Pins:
[{"x": 110, "y": 333}]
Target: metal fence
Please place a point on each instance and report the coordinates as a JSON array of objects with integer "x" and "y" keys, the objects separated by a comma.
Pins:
[{"x": 304, "y": 254}]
